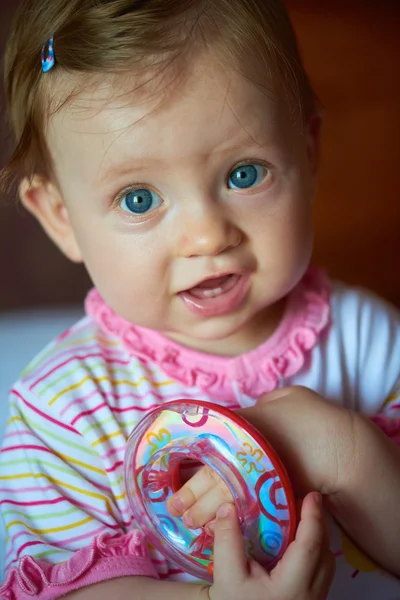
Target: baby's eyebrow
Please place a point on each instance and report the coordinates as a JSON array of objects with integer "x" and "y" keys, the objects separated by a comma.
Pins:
[
  {"x": 132, "y": 166},
  {"x": 141, "y": 165}
]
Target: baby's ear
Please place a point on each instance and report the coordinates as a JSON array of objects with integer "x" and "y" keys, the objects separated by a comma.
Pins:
[{"x": 42, "y": 198}]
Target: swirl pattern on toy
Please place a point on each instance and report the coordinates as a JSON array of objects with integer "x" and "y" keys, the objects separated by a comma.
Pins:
[{"x": 200, "y": 431}]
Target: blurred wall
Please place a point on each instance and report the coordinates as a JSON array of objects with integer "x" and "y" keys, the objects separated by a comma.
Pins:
[
  {"x": 32, "y": 271},
  {"x": 351, "y": 51}
]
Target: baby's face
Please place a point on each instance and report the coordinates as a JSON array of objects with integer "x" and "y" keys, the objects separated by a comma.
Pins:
[{"x": 215, "y": 181}]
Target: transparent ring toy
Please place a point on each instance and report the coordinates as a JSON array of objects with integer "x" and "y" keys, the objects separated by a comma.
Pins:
[{"x": 215, "y": 436}]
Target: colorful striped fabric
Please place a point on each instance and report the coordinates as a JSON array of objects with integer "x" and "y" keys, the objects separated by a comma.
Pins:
[{"x": 61, "y": 481}]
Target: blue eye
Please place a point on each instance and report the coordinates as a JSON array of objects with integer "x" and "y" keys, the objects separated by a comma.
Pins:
[
  {"x": 247, "y": 176},
  {"x": 140, "y": 201}
]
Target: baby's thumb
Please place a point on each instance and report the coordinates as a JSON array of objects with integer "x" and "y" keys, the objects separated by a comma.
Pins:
[{"x": 230, "y": 561}]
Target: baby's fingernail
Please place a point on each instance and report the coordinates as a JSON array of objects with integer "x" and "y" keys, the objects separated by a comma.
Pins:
[
  {"x": 187, "y": 519},
  {"x": 177, "y": 504},
  {"x": 210, "y": 527},
  {"x": 317, "y": 499},
  {"x": 224, "y": 511}
]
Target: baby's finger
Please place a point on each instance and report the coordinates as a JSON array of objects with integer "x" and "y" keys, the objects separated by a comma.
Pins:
[
  {"x": 230, "y": 560},
  {"x": 204, "y": 480},
  {"x": 205, "y": 508},
  {"x": 324, "y": 575},
  {"x": 326, "y": 519},
  {"x": 311, "y": 533},
  {"x": 303, "y": 555}
]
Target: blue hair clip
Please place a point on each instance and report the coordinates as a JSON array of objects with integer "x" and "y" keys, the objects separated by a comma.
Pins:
[{"x": 48, "y": 58}]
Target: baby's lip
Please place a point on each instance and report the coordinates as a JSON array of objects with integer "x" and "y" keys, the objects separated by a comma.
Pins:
[{"x": 212, "y": 281}]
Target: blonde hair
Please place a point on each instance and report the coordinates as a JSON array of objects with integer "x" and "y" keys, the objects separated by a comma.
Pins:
[{"x": 116, "y": 36}]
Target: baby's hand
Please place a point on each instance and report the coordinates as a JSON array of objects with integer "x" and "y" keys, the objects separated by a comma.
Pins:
[
  {"x": 304, "y": 573},
  {"x": 314, "y": 439},
  {"x": 199, "y": 498}
]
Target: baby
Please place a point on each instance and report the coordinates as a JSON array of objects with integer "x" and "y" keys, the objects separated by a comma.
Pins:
[{"x": 172, "y": 147}]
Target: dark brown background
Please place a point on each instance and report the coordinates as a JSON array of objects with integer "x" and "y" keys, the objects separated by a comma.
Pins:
[{"x": 351, "y": 51}]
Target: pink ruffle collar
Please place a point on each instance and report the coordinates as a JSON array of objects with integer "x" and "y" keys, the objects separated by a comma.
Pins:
[{"x": 255, "y": 373}]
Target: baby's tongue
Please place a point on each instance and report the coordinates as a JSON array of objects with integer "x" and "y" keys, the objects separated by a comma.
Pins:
[{"x": 212, "y": 284}]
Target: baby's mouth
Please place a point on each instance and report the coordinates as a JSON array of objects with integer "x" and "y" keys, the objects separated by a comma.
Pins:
[
  {"x": 217, "y": 296},
  {"x": 214, "y": 287}
]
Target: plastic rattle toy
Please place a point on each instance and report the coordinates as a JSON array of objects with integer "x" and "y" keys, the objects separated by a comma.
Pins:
[{"x": 215, "y": 436}]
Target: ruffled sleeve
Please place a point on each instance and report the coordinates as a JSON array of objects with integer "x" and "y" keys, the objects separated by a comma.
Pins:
[{"x": 107, "y": 557}]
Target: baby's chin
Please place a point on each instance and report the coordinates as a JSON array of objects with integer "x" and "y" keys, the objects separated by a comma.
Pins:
[{"x": 220, "y": 336}]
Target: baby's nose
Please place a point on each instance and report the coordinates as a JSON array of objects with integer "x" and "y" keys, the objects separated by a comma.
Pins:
[{"x": 208, "y": 233}]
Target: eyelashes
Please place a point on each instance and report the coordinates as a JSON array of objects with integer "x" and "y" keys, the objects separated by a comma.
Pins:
[{"x": 140, "y": 200}]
